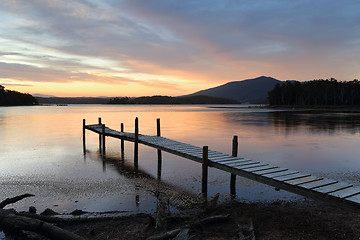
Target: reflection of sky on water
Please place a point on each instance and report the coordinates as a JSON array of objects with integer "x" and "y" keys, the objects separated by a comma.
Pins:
[{"x": 41, "y": 151}]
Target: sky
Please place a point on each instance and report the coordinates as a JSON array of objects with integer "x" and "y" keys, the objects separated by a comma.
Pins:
[{"x": 71, "y": 48}]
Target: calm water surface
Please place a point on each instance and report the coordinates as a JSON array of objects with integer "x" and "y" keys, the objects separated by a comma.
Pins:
[{"x": 41, "y": 152}]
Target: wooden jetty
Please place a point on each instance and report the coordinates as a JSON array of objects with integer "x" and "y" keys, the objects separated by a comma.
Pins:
[{"x": 339, "y": 193}]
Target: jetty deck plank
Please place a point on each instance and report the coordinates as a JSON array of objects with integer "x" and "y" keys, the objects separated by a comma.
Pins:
[
  {"x": 346, "y": 192},
  {"x": 291, "y": 176},
  {"x": 290, "y": 180},
  {"x": 272, "y": 170},
  {"x": 319, "y": 183},
  {"x": 299, "y": 181},
  {"x": 333, "y": 187},
  {"x": 278, "y": 174}
]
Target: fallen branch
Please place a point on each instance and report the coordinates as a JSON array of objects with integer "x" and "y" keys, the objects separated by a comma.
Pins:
[{"x": 14, "y": 199}]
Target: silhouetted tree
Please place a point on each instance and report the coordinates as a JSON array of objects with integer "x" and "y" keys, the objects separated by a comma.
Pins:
[
  {"x": 14, "y": 98},
  {"x": 316, "y": 92}
]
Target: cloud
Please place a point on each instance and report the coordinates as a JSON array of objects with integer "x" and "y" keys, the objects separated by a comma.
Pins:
[
  {"x": 178, "y": 42},
  {"x": 15, "y": 85},
  {"x": 258, "y": 31},
  {"x": 160, "y": 84},
  {"x": 30, "y": 73}
]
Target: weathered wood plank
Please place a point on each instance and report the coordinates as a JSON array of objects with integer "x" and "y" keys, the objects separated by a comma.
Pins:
[
  {"x": 191, "y": 151},
  {"x": 166, "y": 144},
  {"x": 268, "y": 171},
  {"x": 319, "y": 183},
  {"x": 346, "y": 192},
  {"x": 303, "y": 180},
  {"x": 233, "y": 161},
  {"x": 216, "y": 154},
  {"x": 213, "y": 155},
  {"x": 278, "y": 174},
  {"x": 254, "y": 169},
  {"x": 291, "y": 176},
  {"x": 355, "y": 198},
  {"x": 185, "y": 148},
  {"x": 220, "y": 157},
  {"x": 225, "y": 158},
  {"x": 241, "y": 163},
  {"x": 184, "y": 151},
  {"x": 332, "y": 188},
  {"x": 250, "y": 165}
]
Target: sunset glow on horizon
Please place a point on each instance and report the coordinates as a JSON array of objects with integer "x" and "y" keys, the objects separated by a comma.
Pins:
[{"x": 141, "y": 48}]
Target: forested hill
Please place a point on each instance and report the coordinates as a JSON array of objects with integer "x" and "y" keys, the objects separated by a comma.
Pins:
[
  {"x": 14, "y": 98},
  {"x": 172, "y": 100},
  {"x": 137, "y": 100},
  {"x": 316, "y": 92}
]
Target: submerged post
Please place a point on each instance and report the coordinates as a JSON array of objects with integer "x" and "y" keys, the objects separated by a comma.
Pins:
[
  {"x": 158, "y": 151},
  {"x": 122, "y": 142},
  {"x": 233, "y": 176},
  {"x": 84, "y": 146},
  {"x": 100, "y": 136},
  {"x": 204, "y": 177},
  {"x": 136, "y": 146},
  {"x": 103, "y": 139}
]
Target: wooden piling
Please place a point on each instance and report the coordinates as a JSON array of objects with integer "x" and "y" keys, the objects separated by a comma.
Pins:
[
  {"x": 233, "y": 176},
  {"x": 158, "y": 133},
  {"x": 204, "y": 178},
  {"x": 100, "y": 137},
  {"x": 136, "y": 144},
  {"x": 84, "y": 143},
  {"x": 122, "y": 142},
  {"x": 158, "y": 126},
  {"x": 103, "y": 139},
  {"x": 159, "y": 164}
]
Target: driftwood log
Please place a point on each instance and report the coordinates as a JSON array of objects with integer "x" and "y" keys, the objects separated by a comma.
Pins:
[
  {"x": 175, "y": 232},
  {"x": 10, "y": 220}
]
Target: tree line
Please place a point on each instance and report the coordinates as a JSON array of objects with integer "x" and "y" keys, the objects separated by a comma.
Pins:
[
  {"x": 14, "y": 98},
  {"x": 316, "y": 92},
  {"x": 172, "y": 100}
]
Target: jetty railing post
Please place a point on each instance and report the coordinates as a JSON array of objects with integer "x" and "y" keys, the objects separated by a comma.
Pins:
[
  {"x": 122, "y": 142},
  {"x": 158, "y": 151},
  {"x": 100, "y": 136},
  {"x": 233, "y": 176},
  {"x": 136, "y": 146},
  {"x": 204, "y": 176},
  {"x": 84, "y": 144},
  {"x": 103, "y": 139},
  {"x": 158, "y": 127}
]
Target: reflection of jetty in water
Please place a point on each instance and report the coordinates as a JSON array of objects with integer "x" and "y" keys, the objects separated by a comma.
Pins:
[{"x": 164, "y": 192}]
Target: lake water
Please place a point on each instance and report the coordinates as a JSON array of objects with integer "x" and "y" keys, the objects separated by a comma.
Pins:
[{"x": 41, "y": 152}]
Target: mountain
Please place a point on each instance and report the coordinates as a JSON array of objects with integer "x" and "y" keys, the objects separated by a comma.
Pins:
[{"x": 246, "y": 91}]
